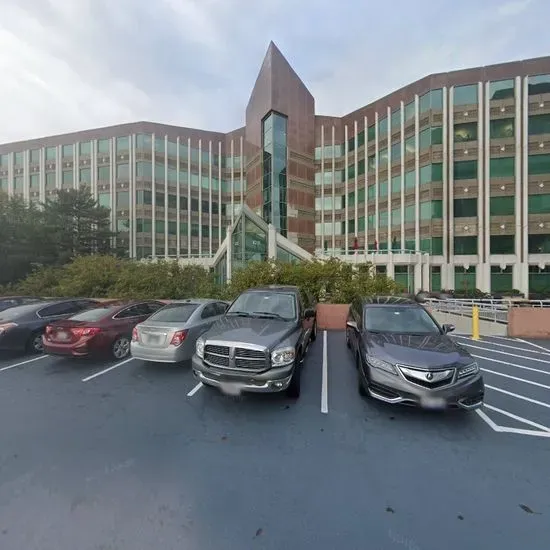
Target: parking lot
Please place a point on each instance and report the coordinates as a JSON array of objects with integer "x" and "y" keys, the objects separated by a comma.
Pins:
[{"x": 113, "y": 456}]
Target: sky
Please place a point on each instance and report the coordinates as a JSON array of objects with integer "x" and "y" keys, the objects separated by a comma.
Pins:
[{"x": 68, "y": 65}]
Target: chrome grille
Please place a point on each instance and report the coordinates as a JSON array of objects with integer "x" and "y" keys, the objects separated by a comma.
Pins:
[
  {"x": 236, "y": 357},
  {"x": 421, "y": 377}
]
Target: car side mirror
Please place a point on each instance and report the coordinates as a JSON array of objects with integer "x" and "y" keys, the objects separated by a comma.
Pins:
[
  {"x": 448, "y": 328},
  {"x": 309, "y": 313},
  {"x": 352, "y": 325}
]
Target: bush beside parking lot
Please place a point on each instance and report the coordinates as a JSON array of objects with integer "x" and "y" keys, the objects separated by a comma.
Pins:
[{"x": 331, "y": 281}]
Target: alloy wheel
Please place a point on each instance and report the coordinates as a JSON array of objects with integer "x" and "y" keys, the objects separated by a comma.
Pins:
[{"x": 121, "y": 348}]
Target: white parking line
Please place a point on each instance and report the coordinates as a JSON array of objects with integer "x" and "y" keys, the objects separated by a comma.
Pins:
[
  {"x": 487, "y": 420},
  {"x": 545, "y": 361},
  {"x": 518, "y": 396},
  {"x": 534, "y": 345},
  {"x": 509, "y": 347},
  {"x": 195, "y": 389},
  {"x": 538, "y": 384},
  {"x": 518, "y": 418},
  {"x": 324, "y": 384},
  {"x": 23, "y": 363},
  {"x": 532, "y": 369},
  {"x": 87, "y": 379}
]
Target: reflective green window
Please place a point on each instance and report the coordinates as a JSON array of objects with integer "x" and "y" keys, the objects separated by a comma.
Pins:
[
  {"x": 18, "y": 183},
  {"x": 159, "y": 228},
  {"x": 431, "y": 136},
  {"x": 67, "y": 151},
  {"x": 431, "y": 100},
  {"x": 34, "y": 181},
  {"x": 371, "y": 192},
  {"x": 85, "y": 176},
  {"x": 501, "y": 89},
  {"x": 465, "y": 279},
  {"x": 434, "y": 245},
  {"x": 465, "y": 132},
  {"x": 409, "y": 215},
  {"x": 410, "y": 146},
  {"x": 538, "y": 164},
  {"x": 144, "y": 142},
  {"x": 361, "y": 139},
  {"x": 144, "y": 197},
  {"x": 502, "y": 206},
  {"x": 3, "y": 185},
  {"x": 409, "y": 111},
  {"x": 396, "y": 119},
  {"x": 431, "y": 210},
  {"x": 539, "y": 204},
  {"x": 103, "y": 146},
  {"x": 372, "y": 162},
  {"x": 67, "y": 178},
  {"x": 372, "y": 132},
  {"x": 501, "y": 128},
  {"x": 144, "y": 225},
  {"x": 431, "y": 172},
  {"x": 465, "y": 208},
  {"x": 103, "y": 173},
  {"x": 160, "y": 145},
  {"x": 465, "y": 95},
  {"x": 35, "y": 155},
  {"x": 4, "y": 159},
  {"x": 501, "y": 279},
  {"x": 383, "y": 219},
  {"x": 396, "y": 184},
  {"x": 410, "y": 179},
  {"x": 539, "y": 124},
  {"x": 383, "y": 189},
  {"x": 50, "y": 180},
  {"x": 383, "y": 158},
  {"x": 351, "y": 171},
  {"x": 18, "y": 159},
  {"x": 502, "y": 167},
  {"x": 465, "y": 170},
  {"x": 122, "y": 144},
  {"x": 50, "y": 153},
  {"x": 160, "y": 172},
  {"x": 123, "y": 171},
  {"x": 123, "y": 200},
  {"x": 144, "y": 169},
  {"x": 361, "y": 224},
  {"x": 539, "y": 244},
  {"x": 539, "y": 84},
  {"x": 435, "y": 278},
  {"x": 104, "y": 199},
  {"x": 396, "y": 216},
  {"x": 382, "y": 128},
  {"x": 465, "y": 245},
  {"x": 84, "y": 148},
  {"x": 502, "y": 244},
  {"x": 396, "y": 152},
  {"x": 351, "y": 143}
]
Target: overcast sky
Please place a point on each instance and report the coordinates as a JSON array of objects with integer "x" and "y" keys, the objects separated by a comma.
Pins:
[{"x": 69, "y": 65}]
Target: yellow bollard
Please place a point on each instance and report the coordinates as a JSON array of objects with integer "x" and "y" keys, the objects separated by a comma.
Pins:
[{"x": 475, "y": 323}]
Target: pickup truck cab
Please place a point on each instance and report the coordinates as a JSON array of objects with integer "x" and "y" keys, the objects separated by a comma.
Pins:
[{"x": 259, "y": 345}]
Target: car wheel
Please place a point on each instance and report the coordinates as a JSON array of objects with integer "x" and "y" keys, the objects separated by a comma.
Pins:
[
  {"x": 348, "y": 342},
  {"x": 121, "y": 347},
  {"x": 360, "y": 383},
  {"x": 293, "y": 390},
  {"x": 313, "y": 336},
  {"x": 35, "y": 343}
]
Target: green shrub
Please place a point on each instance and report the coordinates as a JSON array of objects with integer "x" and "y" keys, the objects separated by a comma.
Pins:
[{"x": 330, "y": 281}]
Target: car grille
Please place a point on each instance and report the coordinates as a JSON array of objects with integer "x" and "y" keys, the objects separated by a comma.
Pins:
[
  {"x": 244, "y": 358},
  {"x": 441, "y": 378}
]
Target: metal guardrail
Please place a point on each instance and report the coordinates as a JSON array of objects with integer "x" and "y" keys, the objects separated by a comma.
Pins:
[{"x": 490, "y": 309}]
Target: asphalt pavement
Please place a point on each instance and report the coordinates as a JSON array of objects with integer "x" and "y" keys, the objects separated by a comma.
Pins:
[{"x": 98, "y": 455}]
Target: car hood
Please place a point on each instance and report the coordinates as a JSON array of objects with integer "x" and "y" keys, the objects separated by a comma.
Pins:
[
  {"x": 250, "y": 330},
  {"x": 430, "y": 351}
]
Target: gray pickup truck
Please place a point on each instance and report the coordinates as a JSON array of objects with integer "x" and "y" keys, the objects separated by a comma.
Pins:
[{"x": 259, "y": 344}]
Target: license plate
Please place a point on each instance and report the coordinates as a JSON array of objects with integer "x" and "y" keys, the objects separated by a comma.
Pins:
[
  {"x": 153, "y": 339},
  {"x": 62, "y": 336},
  {"x": 433, "y": 403},
  {"x": 230, "y": 388}
]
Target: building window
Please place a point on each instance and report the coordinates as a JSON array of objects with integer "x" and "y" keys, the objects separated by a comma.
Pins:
[
  {"x": 396, "y": 119},
  {"x": 18, "y": 183},
  {"x": 50, "y": 153},
  {"x": 35, "y": 156},
  {"x": 84, "y": 148},
  {"x": 431, "y": 173},
  {"x": 431, "y": 100},
  {"x": 539, "y": 244},
  {"x": 67, "y": 151},
  {"x": 502, "y": 206},
  {"x": 18, "y": 159},
  {"x": 539, "y": 84},
  {"x": 431, "y": 136},
  {"x": 123, "y": 200},
  {"x": 104, "y": 199},
  {"x": 465, "y": 279},
  {"x": 465, "y": 245},
  {"x": 502, "y": 244},
  {"x": 4, "y": 160},
  {"x": 383, "y": 127},
  {"x": 144, "y": 142},
  {"x": 50, "y": 180},
  {"x": 67, "y": 178},
  {"x": 34, "y": 182},
  {"x": 85, "y": 176},
  {"x": 103, "y": 146},
  {"x": 465, "y": 132},
  {"x": 502, "y": 128},
  {"x": 103, "y": 173},
  {"x": 538, "y": 204},
  {"x": 538, "y": 164},
  {"x": 465, "y": 208},
  {"x": 431, "y": 210},
  {"x": 501, "y": 89},
  {"x": 465, "y": 170},
  {"x": 502, "y": 167},
  {"x": 123, "y": 171},
  {"x": 122, "y": 144},
  {"x": 144, "y": 170},
  {"x": 465, "y": 95},
  {"x": 539, "y": 124}
]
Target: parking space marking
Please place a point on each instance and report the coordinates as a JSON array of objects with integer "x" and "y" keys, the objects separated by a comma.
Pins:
[
  {"x": 195, "y": 389},
  {"x": 523, "y": 367},
  {"x": 518, "y": 418},
  {"x": 517, "y": 378},
  {"x": 545, "y": 361},
  {"x": 324, "y": 383},
  {"x": 487, "y": 420},
  {"x": 518, "y": 396},
  {"x": 104, "y": 371},
  {"x": 535, "y": 345},
  {"x": 509, "y": 347},
  {"x": 24, "y": 362}
]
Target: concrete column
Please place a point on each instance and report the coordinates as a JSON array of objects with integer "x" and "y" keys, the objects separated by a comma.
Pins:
[
  {"x": 229, "y": 238},
  {"x": 271, "y": 242}
]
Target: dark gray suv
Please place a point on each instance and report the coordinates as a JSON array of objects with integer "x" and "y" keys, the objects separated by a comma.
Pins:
[{"x": 260, "y": 343}]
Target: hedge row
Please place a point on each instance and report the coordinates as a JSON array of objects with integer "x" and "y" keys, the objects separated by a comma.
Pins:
[{"x": 109, "y": 277}]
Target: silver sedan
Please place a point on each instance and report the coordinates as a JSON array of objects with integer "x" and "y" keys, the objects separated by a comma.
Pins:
[{"x": 170, "y": 334}]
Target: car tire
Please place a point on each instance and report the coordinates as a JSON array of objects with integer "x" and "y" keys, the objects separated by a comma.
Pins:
[
  {"x": 34, "y": 343},
  {"x": 360, "y": 384},
  {"x": 313, "y": 335},
  {"x": 121, "y": 348},
  {"x": 348, "y": 342},
  {"x": 293, "y": 390}
]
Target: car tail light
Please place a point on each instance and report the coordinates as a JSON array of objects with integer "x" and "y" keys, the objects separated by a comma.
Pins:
[
  {"x": 135, "y": 336},
  {"x": 85, "y": 332},
  {"x": 6, "y": 326},
  {"x": 178, "y": 338}
]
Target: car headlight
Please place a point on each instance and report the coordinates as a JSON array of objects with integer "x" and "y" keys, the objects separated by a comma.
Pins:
[
  {"x": 468, "y": 370},
  {"x": 380, "y": 364},
  {"x": 282, "y": 357},
  {"x": 199, "y": 348}
]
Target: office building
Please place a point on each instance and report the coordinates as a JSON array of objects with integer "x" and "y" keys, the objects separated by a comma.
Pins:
[{"x": 444, "y": 183}]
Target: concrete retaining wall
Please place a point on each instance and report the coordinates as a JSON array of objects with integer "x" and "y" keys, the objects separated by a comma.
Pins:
[{"x": 529, "y": 322}]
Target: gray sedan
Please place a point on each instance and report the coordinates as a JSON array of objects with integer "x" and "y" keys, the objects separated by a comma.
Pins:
[{"x": 169, "y": 335}]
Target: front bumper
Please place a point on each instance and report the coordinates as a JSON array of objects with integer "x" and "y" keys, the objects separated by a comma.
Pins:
[
  {"x": 465, "y": 394},
  {"x": 270, "y": 381}
]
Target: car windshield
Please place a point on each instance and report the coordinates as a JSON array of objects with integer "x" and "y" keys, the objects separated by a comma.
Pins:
[
  {"x": 270, "y": 304},
  {"x": 18, "y": 311},
  {"x": 94, "y": 314},
  {"x": 399, "y": 320},
  {"x": 174, "y": 313}
]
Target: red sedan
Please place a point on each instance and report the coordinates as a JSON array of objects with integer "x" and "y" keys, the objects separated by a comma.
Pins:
[{"x": 105, "y": 329}]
